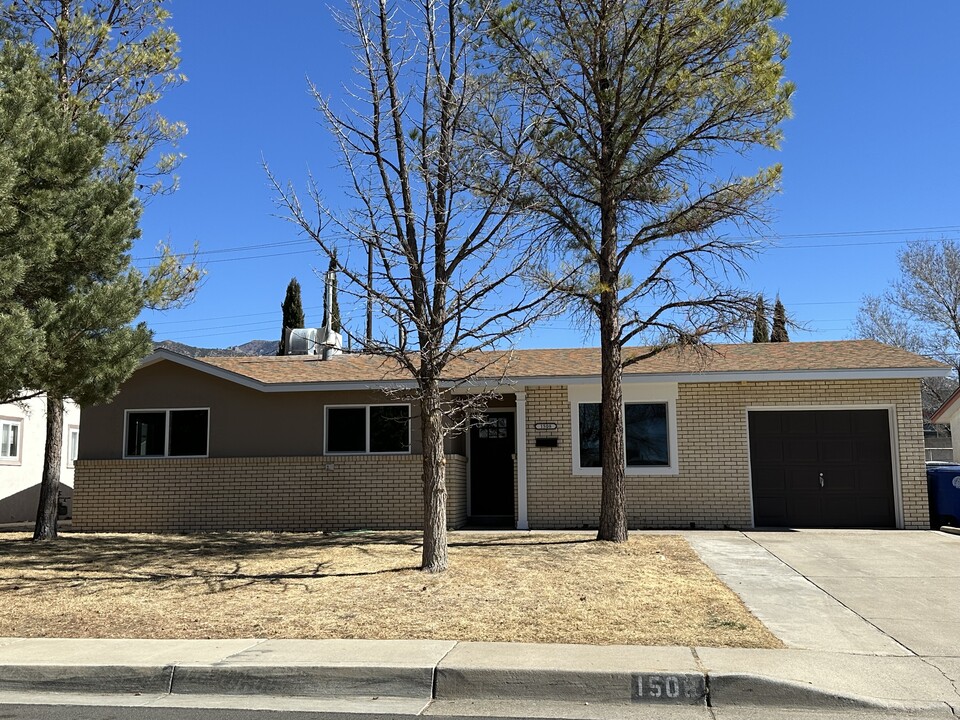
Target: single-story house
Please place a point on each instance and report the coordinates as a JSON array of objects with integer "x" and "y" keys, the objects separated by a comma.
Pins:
[
  {"x": 23, "y": 436},
  {"x": 818, "y": 434}
]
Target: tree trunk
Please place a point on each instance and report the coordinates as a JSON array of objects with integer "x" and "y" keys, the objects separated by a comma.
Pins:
[
  {"x": 434, "y": 485},
  {"x": 613, "y": 500},
  {"x": 46, "y": 526}
]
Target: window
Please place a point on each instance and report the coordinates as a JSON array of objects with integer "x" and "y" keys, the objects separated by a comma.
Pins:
[
  {"x": 167, "y": 433},
  {"x": 10, "y": 429},
  {"x": 73, "y": 444},
  {"x": 368, "y": 429},
  {"x": 645, "y": 435},
  {"x": 650, "y": 428}
]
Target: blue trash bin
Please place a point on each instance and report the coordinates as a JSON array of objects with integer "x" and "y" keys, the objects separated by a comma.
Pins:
[{"x": 943, "y": 490}]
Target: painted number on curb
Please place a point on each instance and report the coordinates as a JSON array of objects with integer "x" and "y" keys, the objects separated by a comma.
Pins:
[{"x": 667, "y": 688}]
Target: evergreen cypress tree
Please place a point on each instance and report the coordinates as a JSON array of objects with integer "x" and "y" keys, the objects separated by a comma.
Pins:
[
  {"x": 761, "y": 330},
  {"x": 292, "y": 308},
  {"x": 779, "y": 333}
]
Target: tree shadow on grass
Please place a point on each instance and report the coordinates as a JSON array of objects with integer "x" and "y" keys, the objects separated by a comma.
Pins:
[{"x": 218, "y": 562}]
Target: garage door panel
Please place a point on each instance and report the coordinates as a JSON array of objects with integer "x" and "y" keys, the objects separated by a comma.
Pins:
[
  {"x": 871, "y": 449},
  {"x": 801, "y": 479},
  {"x": 769, "y": 479},
  {"x": 839, "y": 512},
  {"x": 804, "y": 510},
  {"x": 870, "y": 478},
  {"x": 802, "y": 422},
  {"x": 835, "y": 450},
  {"x": 843, "y": 479},
  {"x": 834, "y": 422},
  {"x": 874, "y": 512},
  {"x": 769, "y": 451},
  {"x": 773, "y": 510},
  {"x": 765, "y": 424},
  {"x": 852, "y": 450},
  {"x": 799, "y": 449},
  {"x": 872, "y": 422}
]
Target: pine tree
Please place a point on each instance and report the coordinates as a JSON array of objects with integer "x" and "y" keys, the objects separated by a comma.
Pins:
[
  {"x": 779, "y": 333},
  {"x": 642, "y": 101},
  {"x": 65, "y": 239},
  {"x": 292, "y": 308},
  {"x": 761, "y": 330},
  {"x": 115, "y": 59}
]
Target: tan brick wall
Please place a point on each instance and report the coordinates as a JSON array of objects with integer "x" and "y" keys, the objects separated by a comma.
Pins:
[
  {"x": 456, "y": 491},
  {"x": 279, "y": 493},
  {"x": 712, "y": 489}
]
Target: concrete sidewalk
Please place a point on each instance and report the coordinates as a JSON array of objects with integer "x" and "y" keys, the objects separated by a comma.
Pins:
[{"x": 407, "y": 676}]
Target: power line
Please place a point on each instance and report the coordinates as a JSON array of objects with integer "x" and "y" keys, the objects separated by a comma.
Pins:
[
  {"x": 237, "y": 248},
  {"x": 786, "y": 236},
  {"x": 225, "y": 317}
]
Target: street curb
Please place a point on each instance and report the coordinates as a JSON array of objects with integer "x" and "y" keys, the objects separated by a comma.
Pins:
[
  {"x": 482, "y": 672},
  {"x": 111, "y": 679},
  {"x": 584, "y": 686},
  {"x": 304, "y": 680},
  {"x": 685, "y": 688},
  {"x": 746, "y": 689}
]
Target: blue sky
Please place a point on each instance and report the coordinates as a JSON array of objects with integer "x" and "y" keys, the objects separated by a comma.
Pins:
[{"x": 870, "y": 159}]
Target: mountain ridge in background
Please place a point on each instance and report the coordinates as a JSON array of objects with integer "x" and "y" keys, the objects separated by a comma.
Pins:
[{"x": 252, "y": 349}]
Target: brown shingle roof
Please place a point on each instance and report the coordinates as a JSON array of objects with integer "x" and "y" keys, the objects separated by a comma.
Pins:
[{"x": 849, "y": 355}]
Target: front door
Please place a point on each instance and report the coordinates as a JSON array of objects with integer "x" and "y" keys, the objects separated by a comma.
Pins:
[{"x": 492, "y": 446}]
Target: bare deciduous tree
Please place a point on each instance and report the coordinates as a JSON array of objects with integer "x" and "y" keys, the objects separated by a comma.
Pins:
[
  {"x": 646, "y": 104},
  {"x": 437, "y": 211},
  {"x": 921, "y": 312}
]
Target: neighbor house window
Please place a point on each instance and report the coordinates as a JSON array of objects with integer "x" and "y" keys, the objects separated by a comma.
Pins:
[
  {"x": 10, "y": 431},
  {"x": 368, "y": 429},
  {"x": 167, "y": 433},
  {"x": 73, "y": 444},
  {"x": 646, "y": 435}
]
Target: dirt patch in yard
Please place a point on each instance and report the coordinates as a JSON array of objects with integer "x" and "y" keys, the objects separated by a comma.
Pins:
[{"x": 529, "y": 587}]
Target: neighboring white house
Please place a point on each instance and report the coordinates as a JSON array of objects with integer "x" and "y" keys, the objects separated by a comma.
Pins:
[{"x": 22, "y": 439}]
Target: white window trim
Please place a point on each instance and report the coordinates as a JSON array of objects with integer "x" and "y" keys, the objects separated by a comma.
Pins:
[
  {"x": 18, "y": 422},
  {"x": 665, "y": 393},
  {"x": 71, "y": 429},
  {"x": 166, "y": 433},
  {"x": 366, "y": 428}
]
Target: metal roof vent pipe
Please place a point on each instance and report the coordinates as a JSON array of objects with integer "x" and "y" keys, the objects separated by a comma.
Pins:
[{"x": 332, "y": 342}]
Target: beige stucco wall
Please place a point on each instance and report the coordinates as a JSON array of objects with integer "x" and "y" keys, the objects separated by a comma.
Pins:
[
  {"x": 276, "y": 493},
  {"x": 20, "y": 477},
  {"x": 712, "y": 486},
  {"x": 244, "y": 422}
]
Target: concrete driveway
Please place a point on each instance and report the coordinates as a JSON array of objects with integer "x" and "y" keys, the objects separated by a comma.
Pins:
[{"x": 877, "y": 592}]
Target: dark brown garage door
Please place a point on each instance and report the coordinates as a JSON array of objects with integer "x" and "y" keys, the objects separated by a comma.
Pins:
[{"x": 821, "y": 468}]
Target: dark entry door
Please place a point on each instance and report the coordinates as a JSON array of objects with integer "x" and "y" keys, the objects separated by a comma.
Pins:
[
  {"x": 821, "y": 468},
  {"x": 492, "y": 446}
]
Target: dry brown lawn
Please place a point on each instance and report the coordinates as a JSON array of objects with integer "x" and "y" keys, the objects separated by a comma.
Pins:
[{"x": 551, "y": 588}]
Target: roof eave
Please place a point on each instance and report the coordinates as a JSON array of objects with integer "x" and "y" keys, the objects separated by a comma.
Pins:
[
  {"x": 688, "y": 377},
  {"x": 747, "y": 376},
  {"x": 946, "y": 412}
]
